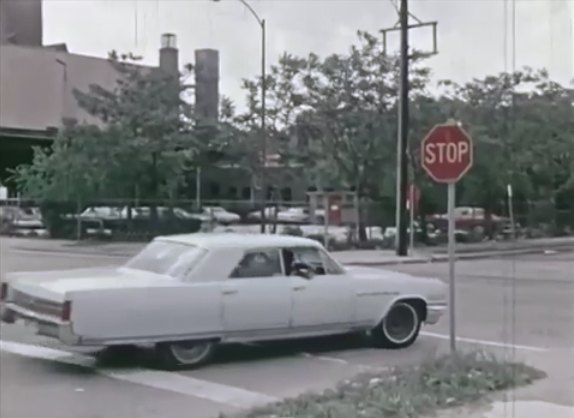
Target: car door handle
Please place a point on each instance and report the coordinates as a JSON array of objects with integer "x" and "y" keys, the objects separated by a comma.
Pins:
[
  {"x": 299, "y": 288},
  {"x": 230, "y": 292}
]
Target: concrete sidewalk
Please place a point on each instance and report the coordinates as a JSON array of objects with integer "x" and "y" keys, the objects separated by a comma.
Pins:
[
  {"x": 522, "y": 244},
  {"x": 517, "y": 409},
  {"x": 349, "y": 257}
]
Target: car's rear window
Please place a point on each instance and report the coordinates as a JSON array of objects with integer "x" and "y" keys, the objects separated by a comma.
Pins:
[{"x": 169, "y": 258}]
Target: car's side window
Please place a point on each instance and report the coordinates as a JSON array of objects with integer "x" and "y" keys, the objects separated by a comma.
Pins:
[
  {"x": 307, "y": 255},
  {"x": 321, "y": 262},
  {"x": 258, "y": 263}
]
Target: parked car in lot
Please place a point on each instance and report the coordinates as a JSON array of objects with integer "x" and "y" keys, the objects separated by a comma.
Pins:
[
  {"x": 270, "y": 213},
  {"x": 187, "y": 293},
  {"x": 220, "y": 215},
  {"x": 292, "y": 215},
  {"x": 20, "y": 220},
  {"x": 468, "y": 218},
  {"x": 109, "y": 220}
]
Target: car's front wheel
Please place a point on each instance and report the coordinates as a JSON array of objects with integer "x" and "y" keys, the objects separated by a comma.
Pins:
[
  {"x": 184, "y": 354},
  {"x": 400, "y": 327}
]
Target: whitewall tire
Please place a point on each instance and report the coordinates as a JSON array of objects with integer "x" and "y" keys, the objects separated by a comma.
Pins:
[
  {"x": 184, "y": 354},
  {"x": 400, "y": 327}
]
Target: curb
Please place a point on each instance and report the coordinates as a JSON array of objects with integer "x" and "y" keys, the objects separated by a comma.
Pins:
[
  {"x": 71, "y": 251},
  {"x": 463, "y": 256},
  {"x": 520, "y": 246}
]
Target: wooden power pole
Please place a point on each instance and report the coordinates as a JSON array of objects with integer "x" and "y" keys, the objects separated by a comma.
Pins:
[{"x": 402, "y": 187}]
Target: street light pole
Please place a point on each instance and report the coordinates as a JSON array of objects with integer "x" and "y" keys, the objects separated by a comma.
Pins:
[
  {"x": 263, "y": 145},
  {"x": 263, "y": 129}
]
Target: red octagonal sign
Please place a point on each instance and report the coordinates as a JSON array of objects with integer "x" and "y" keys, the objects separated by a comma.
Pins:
[{"x": 447, "y": 153}]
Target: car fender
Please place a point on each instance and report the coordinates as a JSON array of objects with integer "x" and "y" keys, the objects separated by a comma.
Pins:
[{"x": 402, "y": 297}]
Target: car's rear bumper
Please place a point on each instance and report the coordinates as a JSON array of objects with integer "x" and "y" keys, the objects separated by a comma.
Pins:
[
  {"x": 45, "y": 325},
  {"x": 435, "y": 312}
]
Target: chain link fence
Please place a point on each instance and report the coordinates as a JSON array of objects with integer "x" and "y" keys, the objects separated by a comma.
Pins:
[{"x": 130, "y": 220}]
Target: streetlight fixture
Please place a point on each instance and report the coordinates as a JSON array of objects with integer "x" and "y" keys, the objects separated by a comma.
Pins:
[{"x": 263, "y": 157}]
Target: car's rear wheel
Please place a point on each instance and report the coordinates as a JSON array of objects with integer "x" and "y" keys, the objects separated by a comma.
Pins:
[
  {"x": 400, "y": 327},
  {"x": 184, "y": 354}
]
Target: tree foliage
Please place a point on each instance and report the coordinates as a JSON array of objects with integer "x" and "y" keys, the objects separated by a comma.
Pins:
[{"x": 336, "y": 116}]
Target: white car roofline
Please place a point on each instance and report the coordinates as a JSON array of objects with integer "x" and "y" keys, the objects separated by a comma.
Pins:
[{"x": 236, "y": 240}]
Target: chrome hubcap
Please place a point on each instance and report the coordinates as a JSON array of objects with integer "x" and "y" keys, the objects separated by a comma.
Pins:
[
  {"x": 190, "y": 352},
  {"x": 401, "y": 323}
]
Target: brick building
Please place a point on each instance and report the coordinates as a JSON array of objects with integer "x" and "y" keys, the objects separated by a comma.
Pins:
[{"x": 37, "y": 82}]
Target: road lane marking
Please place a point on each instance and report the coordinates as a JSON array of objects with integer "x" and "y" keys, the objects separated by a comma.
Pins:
[
  {"x": 326, "y": 358},
  {"x": 184, "y": 385},
  {"x": 362, "y": 368},
  {"x": 486, "y": 342},
  {"x": 308, "y": 355},
  {"x": 172, "y": 382}
]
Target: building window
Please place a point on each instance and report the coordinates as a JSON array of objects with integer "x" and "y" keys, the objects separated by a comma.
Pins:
[
  {"x": 232, "y": 192},
  {"x": 246, "y": 193}
]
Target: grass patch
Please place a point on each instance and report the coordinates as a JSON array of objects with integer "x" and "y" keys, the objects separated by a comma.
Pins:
[{"x": 406, "y": 392}]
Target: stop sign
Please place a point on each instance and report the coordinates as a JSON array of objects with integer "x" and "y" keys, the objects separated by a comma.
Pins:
[{"x": 447, "y": 153}]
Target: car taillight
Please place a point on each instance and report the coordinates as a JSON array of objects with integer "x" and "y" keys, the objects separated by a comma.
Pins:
[
  {"x": 3, "y": 291},
  {"x": 66, "y": 311}
]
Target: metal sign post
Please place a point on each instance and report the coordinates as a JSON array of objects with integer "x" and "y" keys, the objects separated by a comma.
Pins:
[
  {"x": 412, "y": 204},
  {"x": 411, "y": 209},
  {"x": 451, "y": 260},
  {"x": 447, "y": 155}
]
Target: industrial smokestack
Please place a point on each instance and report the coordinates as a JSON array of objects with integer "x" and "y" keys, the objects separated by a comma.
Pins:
[
  {"x": 169, "y": 55},
  {"x": 207, "y": 86}
]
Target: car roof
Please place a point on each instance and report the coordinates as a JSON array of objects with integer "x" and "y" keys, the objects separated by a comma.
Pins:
[{"x": 237, "y": 240}]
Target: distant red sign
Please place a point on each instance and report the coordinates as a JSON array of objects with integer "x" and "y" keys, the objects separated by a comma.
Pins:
[
  {"x": 414, "y": 196},
  {"x": 447, "y": 153}
]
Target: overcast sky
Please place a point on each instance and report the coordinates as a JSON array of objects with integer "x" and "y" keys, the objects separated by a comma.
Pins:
[{"x": 471, "y": 32}]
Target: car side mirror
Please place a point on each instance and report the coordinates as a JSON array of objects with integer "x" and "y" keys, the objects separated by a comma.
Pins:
[{"x": 303, "y": 270}]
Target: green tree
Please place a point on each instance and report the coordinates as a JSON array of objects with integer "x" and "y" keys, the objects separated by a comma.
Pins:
[
  {"x": 73, "y": 169},
  {"x": 156, "y": 125},
  {"x": 283, "y": 102},
  {"x": 138, "y": 149},
  {"x": 523, "y": 127}
]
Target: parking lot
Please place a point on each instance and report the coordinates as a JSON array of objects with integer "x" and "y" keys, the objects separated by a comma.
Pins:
[{"x": 521, "y": 307}]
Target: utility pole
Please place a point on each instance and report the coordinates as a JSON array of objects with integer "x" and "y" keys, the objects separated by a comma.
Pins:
[
  {"x": 402, "y": 172},
  {"x": 402, "y": 218}
]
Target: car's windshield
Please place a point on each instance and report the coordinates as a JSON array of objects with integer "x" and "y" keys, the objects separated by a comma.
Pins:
[{"x": 167, "y": 258}]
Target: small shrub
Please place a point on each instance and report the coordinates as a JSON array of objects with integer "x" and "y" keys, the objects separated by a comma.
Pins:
[{"x": 407, "y": 392}]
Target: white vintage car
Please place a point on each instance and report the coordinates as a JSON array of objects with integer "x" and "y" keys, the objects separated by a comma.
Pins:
[{"x": 187, "y": 293}]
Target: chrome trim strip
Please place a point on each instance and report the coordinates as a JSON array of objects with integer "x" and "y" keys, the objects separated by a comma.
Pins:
[
  {"x": 377, "y": 293},
  {"x": 34, "y": 316}
]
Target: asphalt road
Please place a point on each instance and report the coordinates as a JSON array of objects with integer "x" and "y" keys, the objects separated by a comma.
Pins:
[{"x": 521, "y": 307}]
